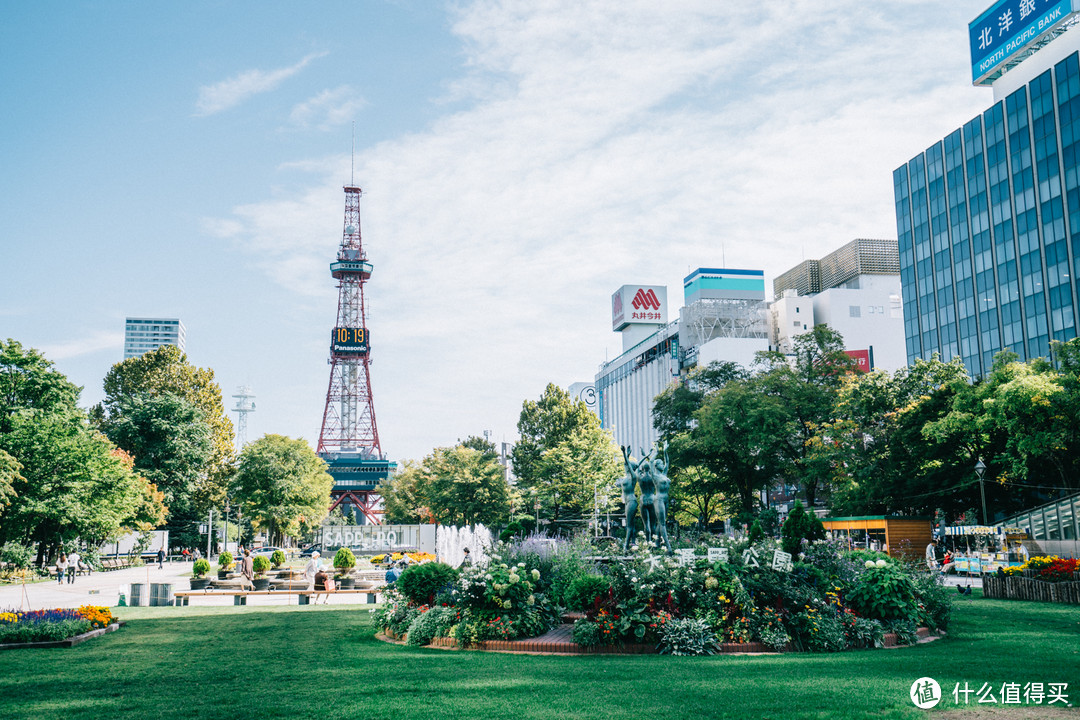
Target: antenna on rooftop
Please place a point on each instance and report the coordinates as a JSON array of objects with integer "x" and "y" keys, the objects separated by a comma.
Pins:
[{"x": 352, "y": 158}]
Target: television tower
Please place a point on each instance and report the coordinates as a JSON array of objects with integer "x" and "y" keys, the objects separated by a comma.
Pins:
[
  {"x": 245, "y": 404},
  {"x": 349, "y": 439}
]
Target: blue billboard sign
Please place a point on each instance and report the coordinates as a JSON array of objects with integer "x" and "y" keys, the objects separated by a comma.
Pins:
[{"x": 1009, "y": 27}]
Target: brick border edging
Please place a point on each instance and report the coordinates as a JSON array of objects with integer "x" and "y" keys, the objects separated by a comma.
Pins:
[
  {"x": 533, "y": 645},
  {"x": 66, "y": 642}
]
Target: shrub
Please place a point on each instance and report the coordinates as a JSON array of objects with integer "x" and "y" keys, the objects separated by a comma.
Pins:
[
  {"x": 817, "y": 630},
  {"x": 431, "y": 624},
  {"x": 862, "y": 632},
  {"x": 905, "y": 630},
  {"x": 687, "y": 636},
  {"x": 756, "y": 533},
  {"x": 395, "y": 614},
  {"x": 200, "y": 568},
  {"x": 883, "y": 593},
  {"x": 512, "y": 530},
  {"x": 935, "y": 601},
  {"x": 277, "y": 558},
  {"x": 584, "y": 590},
  {"x": 420, "y": 583},
  {"x": 225, "y": 560},
  {"x": 800, "y": 525},
  {"x": 344, "y": 560},
  {"x": 15, "y": 555},
  {"x": 260, "y": 564},
  {"x": 598, "y": 631}
]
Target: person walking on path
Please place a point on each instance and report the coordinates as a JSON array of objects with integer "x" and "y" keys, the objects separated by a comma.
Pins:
[
  {"x": 73, "y": 566},
  {"x": 61, "y": 568},
  {"x": 313, "y": 566},
  {"x": 161, "y": 558},
  {"x": 247, "y": 569}
]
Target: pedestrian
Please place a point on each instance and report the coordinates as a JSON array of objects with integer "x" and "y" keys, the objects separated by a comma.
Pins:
[
  {"x": 186, "y": 554},
  {"x": 931, "y": 555},
  {"x": 247, "y": 568},
  {"x": 161, "y": 557},
  {"x": 313, "y": 566},
  {"x": 466, "y": 561},
  {"x": 61, "y": 568},
  {"x": 73, "y": 566},
  {"x": 392, "y": 574},
  {"x": 197, "y": 554}
]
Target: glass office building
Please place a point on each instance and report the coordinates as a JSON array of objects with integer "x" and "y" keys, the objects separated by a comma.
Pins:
[
  {"x": 988, "y": 223},
  {"x": 145, "y": 334}
]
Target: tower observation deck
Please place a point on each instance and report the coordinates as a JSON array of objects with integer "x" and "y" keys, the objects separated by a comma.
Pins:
[{"x": 349, "y": 438}]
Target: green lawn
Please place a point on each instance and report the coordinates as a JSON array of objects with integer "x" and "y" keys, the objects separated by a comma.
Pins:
[{"x": 323, "y": 662}]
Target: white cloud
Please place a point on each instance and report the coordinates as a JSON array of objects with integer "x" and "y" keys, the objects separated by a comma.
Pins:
[
  {"x": 327, "y": 110},
  {"x": 87, "y": 345},
  {"x": 229, "y": 93},
  {"x": 607, "y": 143}
]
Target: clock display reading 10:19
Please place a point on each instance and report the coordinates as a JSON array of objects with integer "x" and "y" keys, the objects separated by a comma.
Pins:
[{"x": 349, "y": 340}]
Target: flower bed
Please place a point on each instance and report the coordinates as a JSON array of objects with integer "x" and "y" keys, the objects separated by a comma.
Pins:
[
  {"x": 703, "y": 601},
  {"x": 53, "y": 628}
]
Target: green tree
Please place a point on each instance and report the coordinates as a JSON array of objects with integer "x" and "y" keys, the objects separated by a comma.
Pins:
[
  {"x": 28, "y": 381},
  {"x": 283, "y": 486},
  {"x": 59, "y": 479},
  {"x": 561, "y": 445},
  {"x": 167, "y": 370},
  {"x": 463, "y": 486},
  {"x": 9, "y": 475},
  {"x": 402, "y": 495},
  {"x": 73, "y": 485},
  {"x": 168, "y": 438},
  {"x": 741, "y": 438},
  {"x": 878, "y": 449},
  {"x": 579, "y": 474},
  {"x": 808, "y": 388}
]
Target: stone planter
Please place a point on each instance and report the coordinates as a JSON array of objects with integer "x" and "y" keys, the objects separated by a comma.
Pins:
[
  {"x": 260, "y": 583},
  {"x": 222, "y": 574},
  {"x": 345, "y": 583},
  {"x": 200, "y": 583}
]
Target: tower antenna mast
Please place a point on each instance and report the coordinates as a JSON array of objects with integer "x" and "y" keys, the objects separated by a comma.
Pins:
[{"x": 349, "y": 438}]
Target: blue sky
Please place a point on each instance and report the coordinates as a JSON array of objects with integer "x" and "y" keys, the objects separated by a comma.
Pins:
[{"x": 520, "y": 161}]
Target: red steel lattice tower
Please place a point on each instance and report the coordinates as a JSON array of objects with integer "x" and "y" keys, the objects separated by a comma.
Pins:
[{"x": 349, "y": 439}]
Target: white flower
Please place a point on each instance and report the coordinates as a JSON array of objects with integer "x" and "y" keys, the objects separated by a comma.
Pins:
[
  {"x": 521, "y": 564},
  {"x": 881, "y": 563},
  {"x": 514, "y": 578},
  {"x": 634, "y": 548},
  {"x": 633, "y": 579},
  {"x": 531, "y": 600},
  {"x": 536, "y": 574},
  {"x": 869, "y": 563},
  {"x": 508, "y": 604}
]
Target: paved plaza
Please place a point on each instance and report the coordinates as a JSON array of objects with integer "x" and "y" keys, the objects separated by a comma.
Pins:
[{"x": 104, "y": 588}]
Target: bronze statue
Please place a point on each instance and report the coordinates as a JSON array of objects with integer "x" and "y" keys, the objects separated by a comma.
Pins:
[
  {"x": 626, "y": 485},
  {"x": 651, "y": 475}
]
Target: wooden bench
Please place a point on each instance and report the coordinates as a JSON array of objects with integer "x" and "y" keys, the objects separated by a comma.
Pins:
[
  {"x": 84, "y": 570},
  {"x": 240, "y": 597}
]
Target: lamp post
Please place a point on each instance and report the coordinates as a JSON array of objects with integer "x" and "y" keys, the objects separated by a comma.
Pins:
[{"x": 980, "y": 470}]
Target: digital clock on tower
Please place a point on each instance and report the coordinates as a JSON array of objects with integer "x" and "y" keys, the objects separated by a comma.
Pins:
[{"x": 349, "y": 341}]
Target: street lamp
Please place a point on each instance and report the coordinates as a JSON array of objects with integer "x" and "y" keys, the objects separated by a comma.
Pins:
[{"x": 980, "y": 470}]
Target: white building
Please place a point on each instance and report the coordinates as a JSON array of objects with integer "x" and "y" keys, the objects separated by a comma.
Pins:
[
  {"x": 725, "y": 318},
  {"x": 145, "y": 334},
  {"x": 855, "y": 291}
]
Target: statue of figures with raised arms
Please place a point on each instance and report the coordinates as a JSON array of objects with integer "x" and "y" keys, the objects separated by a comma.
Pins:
[
  {"x": 650, "y": 474},
  {"x": 626, "y": 486}
]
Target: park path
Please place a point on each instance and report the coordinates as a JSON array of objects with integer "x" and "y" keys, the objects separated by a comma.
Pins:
[{"x": 104, "y": 588}]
